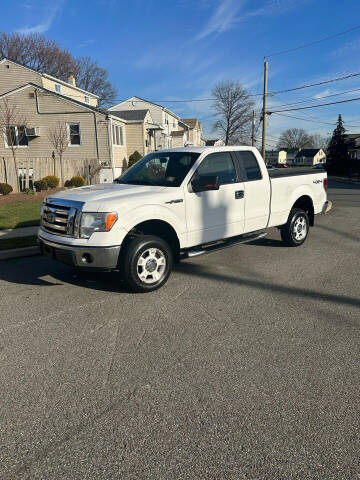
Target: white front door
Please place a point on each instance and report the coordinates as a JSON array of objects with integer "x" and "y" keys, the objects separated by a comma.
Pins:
[{"x": 215, "y": 214}]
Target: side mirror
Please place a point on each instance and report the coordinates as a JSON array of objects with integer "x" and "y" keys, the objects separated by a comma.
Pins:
[{"x": 205, "y": 183}]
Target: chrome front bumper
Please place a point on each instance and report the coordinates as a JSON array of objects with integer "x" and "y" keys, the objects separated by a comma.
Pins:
[{"x": 89, "y": 257}]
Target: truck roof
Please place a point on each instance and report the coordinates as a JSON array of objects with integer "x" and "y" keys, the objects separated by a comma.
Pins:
[{"x": 207, "y": 149}]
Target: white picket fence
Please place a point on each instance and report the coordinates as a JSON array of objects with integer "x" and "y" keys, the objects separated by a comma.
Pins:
[{"x": 35, "y": 168}]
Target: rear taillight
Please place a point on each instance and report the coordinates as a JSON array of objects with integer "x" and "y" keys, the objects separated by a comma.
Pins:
[{"x": 325, "y": 184}]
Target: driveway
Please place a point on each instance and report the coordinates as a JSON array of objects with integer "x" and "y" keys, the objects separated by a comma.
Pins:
[{"x": 244, "y": 366}]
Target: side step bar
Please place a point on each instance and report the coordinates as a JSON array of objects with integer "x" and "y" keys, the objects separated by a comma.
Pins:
[{"x": 225, "y": 244}]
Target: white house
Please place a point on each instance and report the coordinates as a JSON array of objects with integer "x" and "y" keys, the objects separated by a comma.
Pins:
[
  {"x": 276, "y": 157},
  {"x": 310, "y": 156},
  {"x": 215, "y": 143}
]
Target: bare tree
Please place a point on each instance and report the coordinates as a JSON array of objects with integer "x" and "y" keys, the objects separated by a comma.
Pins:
[
  {"x": 295, "y": 138},
  {"x": 233, "y": 107},
  {"x": 13, "y": 124},
  {"x": 38, "y": 53},
  {"x": 320, "y": 141},
  {"x": 92, "y": 78},
  {"x": 58, "y": 137},
  {"x": 43, "y": 55}
]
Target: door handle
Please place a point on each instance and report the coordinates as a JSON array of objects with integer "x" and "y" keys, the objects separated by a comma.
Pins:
[{"x": 239, "y": 194}]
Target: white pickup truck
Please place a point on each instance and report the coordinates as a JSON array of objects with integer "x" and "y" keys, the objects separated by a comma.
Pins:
[{"x": 179, "y": 203}]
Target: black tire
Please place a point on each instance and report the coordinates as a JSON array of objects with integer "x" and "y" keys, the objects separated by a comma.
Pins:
[
  {"x": 158, "y": 264},
  {"x": 296, "y": 230}
]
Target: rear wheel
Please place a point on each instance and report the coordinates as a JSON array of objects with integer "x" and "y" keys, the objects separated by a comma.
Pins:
[
  {"x": 147, "y": 263},
  {"x": 295, "y": 231}
]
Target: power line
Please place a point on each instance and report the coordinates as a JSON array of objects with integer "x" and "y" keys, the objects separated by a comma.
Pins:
[
  {"x": 318, "y": 98},
  {"x": 314, "y": 106},
  {"x": 304, "y": 119},
  {"x": 282, "y": 52},
  {"x": 211, "y": 99},
  {"x": 337, "y": 79}
]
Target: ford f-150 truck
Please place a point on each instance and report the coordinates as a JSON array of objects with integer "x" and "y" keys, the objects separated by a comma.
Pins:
[{"x": 177, "y": 203}]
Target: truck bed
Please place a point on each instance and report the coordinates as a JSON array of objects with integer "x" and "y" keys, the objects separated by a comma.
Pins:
[{"x": 291, "y": 172}]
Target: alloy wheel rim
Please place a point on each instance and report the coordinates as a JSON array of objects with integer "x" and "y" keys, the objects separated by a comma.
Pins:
[
  {"x": 151, "y": 265},
  {"x": 300, "y": 228}
]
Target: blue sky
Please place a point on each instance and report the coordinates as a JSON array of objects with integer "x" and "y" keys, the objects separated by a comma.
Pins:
[{"x": 179, "y": 49}]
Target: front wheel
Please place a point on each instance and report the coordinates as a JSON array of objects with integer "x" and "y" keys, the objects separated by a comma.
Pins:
[
  {"x": 147, "y": 263},
  {"x": 295, "y": 231}
]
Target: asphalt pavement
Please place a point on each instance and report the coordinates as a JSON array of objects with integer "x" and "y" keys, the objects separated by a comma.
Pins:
[{"x": 245, "y": 365}]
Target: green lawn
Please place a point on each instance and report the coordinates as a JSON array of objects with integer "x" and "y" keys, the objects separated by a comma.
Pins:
[
  {"x": 18, "y": 242},
  {"x": 20, "y": 214}
]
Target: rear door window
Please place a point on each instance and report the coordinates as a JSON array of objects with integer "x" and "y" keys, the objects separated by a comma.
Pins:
[{"x": 249, "y": 165}]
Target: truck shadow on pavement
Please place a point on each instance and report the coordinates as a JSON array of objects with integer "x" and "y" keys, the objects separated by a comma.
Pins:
[
  {"x": 41, "y": 271},
  {"x": 30, "y": 272},
  {"x": 197, "y": 270}
]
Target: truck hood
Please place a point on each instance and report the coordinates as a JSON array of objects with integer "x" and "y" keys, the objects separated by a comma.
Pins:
[{"x": 104, "y": 196}]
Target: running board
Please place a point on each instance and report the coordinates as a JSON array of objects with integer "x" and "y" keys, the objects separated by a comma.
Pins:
[{"x": 226, "y": 244}]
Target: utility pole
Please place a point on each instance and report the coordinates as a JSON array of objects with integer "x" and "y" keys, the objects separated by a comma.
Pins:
[
  {"x": 263, "y": 151},
  {"x": 253, "y": 129}
]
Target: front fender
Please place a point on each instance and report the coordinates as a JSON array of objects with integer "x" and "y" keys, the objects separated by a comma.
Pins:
[{"x": 174, "y": 215}]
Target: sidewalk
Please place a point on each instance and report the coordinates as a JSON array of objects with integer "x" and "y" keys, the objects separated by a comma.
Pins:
[{"x": 18, "y": 232}]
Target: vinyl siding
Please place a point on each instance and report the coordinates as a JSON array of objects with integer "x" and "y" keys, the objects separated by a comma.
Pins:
[
  {"x": 178, "y": 141},
  {"x": 57, "y": 107},
  {"x": 16, "y": 76},
  {"x": 135, "y": 139},
  {"x": 68, "y": 91},
  {"x": 120, "y": 151}
]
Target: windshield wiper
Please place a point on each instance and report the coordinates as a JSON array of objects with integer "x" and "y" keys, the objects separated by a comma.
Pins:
[
  {"x": 140, "y": 182},
  {"x": 118, "y": 180}
]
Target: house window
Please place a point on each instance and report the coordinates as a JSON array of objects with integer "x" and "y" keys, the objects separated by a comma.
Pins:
[
  {"x": 57, "y": 88},
  {"x": 117, "y": 133},
  {"x": 73, "y": 134},
  {"x": 15, "y": 136},
  {"x": 87, "y": 99}
]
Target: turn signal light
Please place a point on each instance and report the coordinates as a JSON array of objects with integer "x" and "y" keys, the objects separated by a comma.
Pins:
[{"x": 110, "y": 220}]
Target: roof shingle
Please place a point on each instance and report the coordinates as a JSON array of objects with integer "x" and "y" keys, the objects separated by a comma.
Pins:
[{"x": 130, "y": 115}]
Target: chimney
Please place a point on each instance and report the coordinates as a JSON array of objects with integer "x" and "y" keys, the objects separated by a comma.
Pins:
[{"x": 71, "y": 80}]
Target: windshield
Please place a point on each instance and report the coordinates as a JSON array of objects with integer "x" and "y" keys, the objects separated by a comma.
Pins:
[{"x": 163, "y": 169}]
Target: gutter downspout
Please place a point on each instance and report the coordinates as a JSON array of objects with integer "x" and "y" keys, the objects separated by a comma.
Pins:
[
  {"x": 67, "y": 113},
  {"x": 111, "y": 146}
]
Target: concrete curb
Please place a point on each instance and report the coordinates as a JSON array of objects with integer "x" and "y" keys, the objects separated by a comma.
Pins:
[{"x": 19, "y": 252}]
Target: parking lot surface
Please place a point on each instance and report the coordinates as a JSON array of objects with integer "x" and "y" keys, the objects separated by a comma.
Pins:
[{"x": 245, "y": 365}]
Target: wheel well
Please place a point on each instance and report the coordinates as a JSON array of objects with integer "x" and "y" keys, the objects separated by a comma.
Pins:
[
  {"x": 306, "y": 204},
  {"x": 159, "y": 228}
]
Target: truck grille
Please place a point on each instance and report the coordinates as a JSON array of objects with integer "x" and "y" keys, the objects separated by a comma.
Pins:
[{"x": 58, "y": 219}]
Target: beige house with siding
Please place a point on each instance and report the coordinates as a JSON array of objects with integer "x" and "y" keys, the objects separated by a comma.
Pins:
[
  {"x": 140, "y": 130},
  {"x": 179, "y": 138},
  {"x": 165, "y": 119},
  {"x": 195, "y": 131},
  {"x": 93, "y": 133}
]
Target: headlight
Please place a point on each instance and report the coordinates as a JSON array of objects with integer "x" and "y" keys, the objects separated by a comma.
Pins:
[{"x": 96, "y": 222}]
